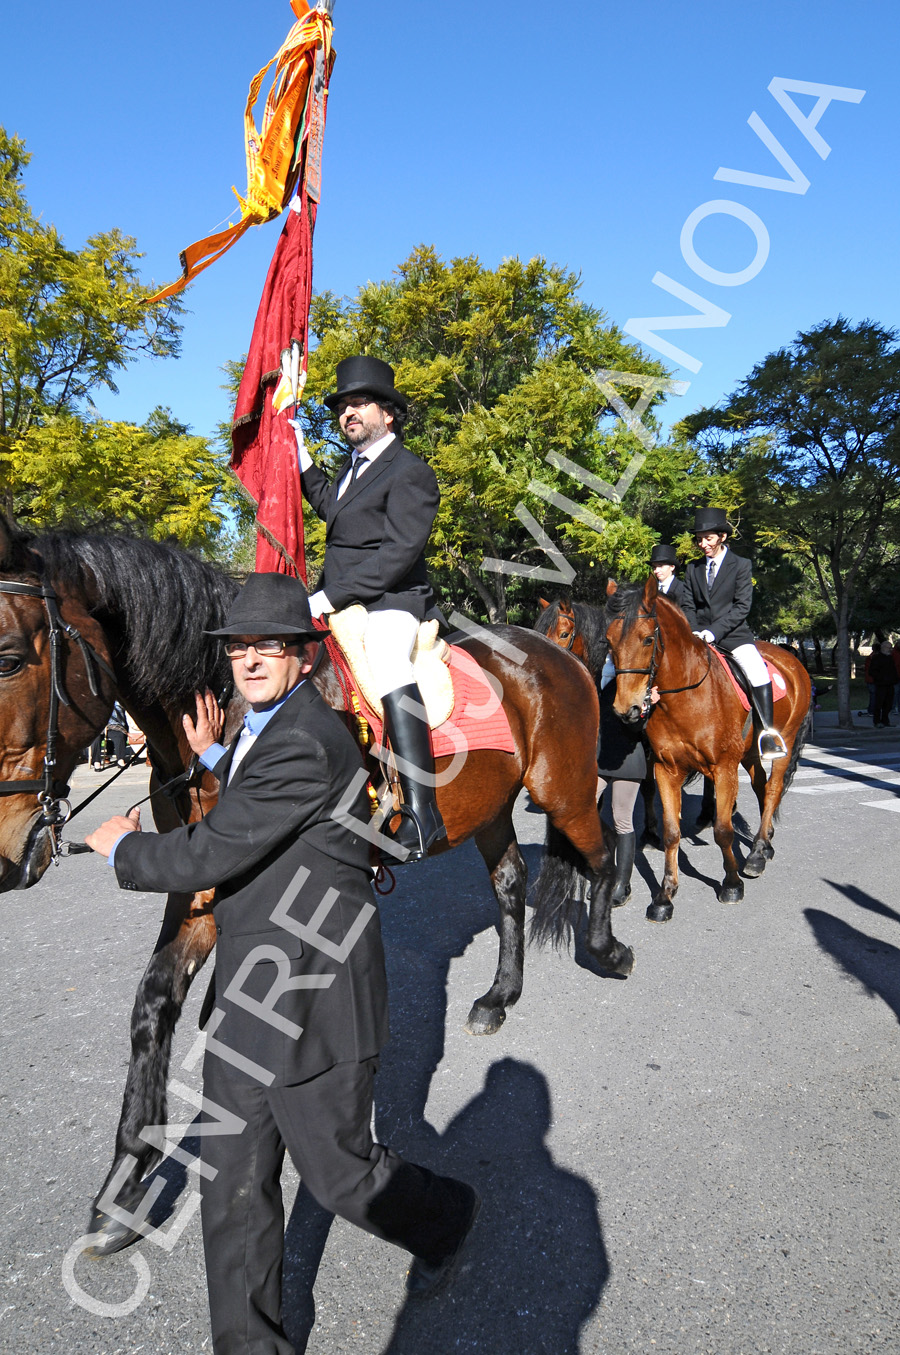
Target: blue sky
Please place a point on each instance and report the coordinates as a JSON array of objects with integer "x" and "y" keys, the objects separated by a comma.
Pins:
[{"x": 585, "y": 133}]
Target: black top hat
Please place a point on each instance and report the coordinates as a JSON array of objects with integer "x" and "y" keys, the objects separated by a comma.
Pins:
[
  {"x": 270, "y": 604},
  {"x": 365, "y": 376},
  {"x": 663, "y": 555},
  {"x": 711, "y": 520}
]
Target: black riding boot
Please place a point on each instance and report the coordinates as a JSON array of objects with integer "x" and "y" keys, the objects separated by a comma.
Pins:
[
  {"x": 625, "y": 843},
  {"x": 421, "y": 824},
  {"x": 770, "y": 743}
]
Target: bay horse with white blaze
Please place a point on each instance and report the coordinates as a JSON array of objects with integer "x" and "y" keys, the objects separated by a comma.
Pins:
[
  {"x": 699, "y": 725},
  {"x": 88, "y": 619}
]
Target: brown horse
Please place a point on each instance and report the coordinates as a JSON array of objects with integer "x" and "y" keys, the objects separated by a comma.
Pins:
[
  {"x": 699, "y": 725},
  {"x": 580, "y": 628},
  {"x": 140, "y": 609}
]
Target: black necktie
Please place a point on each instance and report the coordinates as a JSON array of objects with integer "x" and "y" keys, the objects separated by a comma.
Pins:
[{"x": 358, "y": 461}]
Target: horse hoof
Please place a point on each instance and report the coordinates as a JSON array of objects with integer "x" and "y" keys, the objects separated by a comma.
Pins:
[
  {"x": 620, "y": 903},
  {"x": 109, "y": 1235},
  {"x": 485, "y": 1020},
  {"x": 617, "y": 963},
  {"x": 731, "y": 893},
  {"x": 754, "y": 866},
  {"x": 660, "y": 912}
]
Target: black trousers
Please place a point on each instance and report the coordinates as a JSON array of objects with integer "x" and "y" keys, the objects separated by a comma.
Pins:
[{"x": 325, "y": 1125}]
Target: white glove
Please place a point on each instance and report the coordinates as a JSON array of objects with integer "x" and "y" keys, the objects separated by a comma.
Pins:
[
  {"x": 608, "y": 672},
  {"x": 303, "y": 457},
  {"x": 706, "y": 635},
  {"x": 319, "y": 604}
]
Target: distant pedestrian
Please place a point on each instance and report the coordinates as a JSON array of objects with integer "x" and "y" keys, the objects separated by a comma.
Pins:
[{"x": 884, "y": 677}]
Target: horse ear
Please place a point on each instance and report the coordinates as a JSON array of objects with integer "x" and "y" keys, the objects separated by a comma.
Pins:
[
  {"x": 611, "y": 587},
  {"x": 566, "y": 608},
  {"x": 651, "y": 588},
  {"x": 543, "y": 604}
]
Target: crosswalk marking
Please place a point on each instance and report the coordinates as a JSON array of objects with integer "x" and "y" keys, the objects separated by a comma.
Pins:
[{"x": 840, "y": 774}]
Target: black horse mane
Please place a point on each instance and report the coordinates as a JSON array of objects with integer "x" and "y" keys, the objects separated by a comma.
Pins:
[
  {"x": 590, "y": 623},
  {"x": 157, "y": 598},
  {"x": 624, "y": 604}
]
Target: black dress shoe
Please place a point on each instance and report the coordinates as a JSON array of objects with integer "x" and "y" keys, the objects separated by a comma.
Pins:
[{"x": 424, "y": 1280}]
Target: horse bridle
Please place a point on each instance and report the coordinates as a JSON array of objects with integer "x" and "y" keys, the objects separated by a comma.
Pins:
[
  {"x": 655, "y": 655},
  {"x": 51, "y": 794}
]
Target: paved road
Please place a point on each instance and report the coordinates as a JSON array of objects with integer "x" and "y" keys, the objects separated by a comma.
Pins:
[{"x": 700, "y": 1159}]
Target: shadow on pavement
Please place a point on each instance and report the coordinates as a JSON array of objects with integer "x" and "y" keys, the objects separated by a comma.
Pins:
[{"x": 874, "y": 963}]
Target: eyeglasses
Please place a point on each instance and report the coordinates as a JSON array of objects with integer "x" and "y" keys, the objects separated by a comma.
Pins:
[
  {"x": 353, "y": 402},
  {"x": 269, "y": 647}
]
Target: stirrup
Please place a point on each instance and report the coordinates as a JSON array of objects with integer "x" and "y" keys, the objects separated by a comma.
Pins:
[
  {"x": 774, "y": 747},
  {"x": 419, "y": 847}
]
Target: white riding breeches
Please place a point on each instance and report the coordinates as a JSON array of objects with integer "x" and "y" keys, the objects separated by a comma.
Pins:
[
  {"x": 389, "y": 639},
  {"x": 752, "y": 664}
]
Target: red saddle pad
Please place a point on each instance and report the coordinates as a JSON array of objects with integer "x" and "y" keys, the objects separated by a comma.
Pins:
[
  {"x": 779, "y": 687},
  {"x": 477, "y": 720}
]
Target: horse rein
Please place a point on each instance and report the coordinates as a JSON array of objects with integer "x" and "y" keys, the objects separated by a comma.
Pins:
[
  {"x": 51, "y": 794},
  {"x": 655, "y": 655}
]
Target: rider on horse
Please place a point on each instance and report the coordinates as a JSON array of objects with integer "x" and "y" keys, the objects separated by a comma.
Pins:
[
  {"x": 718, "y": 593},
  {"x": 379, "y": 509}
]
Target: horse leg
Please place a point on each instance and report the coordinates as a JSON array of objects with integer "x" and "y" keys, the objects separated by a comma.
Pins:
[
  {"x": 500, "y": 850},
  {"x": 185, "y": 940},
  {"x": 585, "y": 832},
  {"x": 768, "y": 794},
  {"x": 732, "y": 890},
  {"x": 661, "y": 907}
]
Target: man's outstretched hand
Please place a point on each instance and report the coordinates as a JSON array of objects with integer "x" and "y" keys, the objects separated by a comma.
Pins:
[
  {"x": 209, "y": 725},
  {"x": 104, "y": 838}
]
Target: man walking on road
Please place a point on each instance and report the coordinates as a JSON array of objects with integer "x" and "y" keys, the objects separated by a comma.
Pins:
[{"x": 301, "y": 1001}]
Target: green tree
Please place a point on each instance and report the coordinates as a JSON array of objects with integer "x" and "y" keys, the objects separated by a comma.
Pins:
[
  {"x": 69, "y": 319},
  {"x": 96, "y": 474},
  {"x": 828, "y": 404},
  {"x": 499, "y": 367}
]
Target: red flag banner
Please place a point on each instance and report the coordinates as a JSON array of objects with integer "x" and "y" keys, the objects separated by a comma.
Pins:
[
  {"x": 264, "y": 448},
  {"x": 264, "y": 455},
  {"x": 277, "y": 153}
]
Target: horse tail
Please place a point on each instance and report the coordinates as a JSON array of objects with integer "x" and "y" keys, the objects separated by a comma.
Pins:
[
  {"x": 559, "y": 891},
  {"x": 799, "y": 742}
]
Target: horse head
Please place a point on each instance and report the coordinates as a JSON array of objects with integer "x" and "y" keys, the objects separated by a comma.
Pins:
[
  {"x": 54, "y": 698},
  {"x": 559, "y": 623},
  {"x": 633, "y": 635}
]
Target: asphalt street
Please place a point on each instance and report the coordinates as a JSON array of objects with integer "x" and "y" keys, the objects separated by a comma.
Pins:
[{"x": 702, "y": 1158}]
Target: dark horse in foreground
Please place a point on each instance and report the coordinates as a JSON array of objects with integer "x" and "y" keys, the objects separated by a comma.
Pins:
[
  {"x": 699, "y": 725},
  {"x": 86, "y": 619}
]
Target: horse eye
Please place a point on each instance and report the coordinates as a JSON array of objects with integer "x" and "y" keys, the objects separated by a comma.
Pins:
[
  {"x": 647, "y": 640},
  {"x": 9, "y": 664}
]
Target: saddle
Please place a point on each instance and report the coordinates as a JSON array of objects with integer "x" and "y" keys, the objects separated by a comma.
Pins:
[
  {"x": 739, "y": 680},
  {"x": 430, "y": 660},
  {"x": 463, "y": 702}
]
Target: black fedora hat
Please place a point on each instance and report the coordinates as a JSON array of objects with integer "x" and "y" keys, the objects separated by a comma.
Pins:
[
  {"x": 270, "y": 604},
  {"x": 663, "y": 555},
  {"x": 361, "y": 375},
  {"x": 711, "y": 520}
]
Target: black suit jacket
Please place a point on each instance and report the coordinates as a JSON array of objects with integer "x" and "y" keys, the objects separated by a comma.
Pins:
[
  {"x": 724, "y": 611},
  {"x": 376, "y": 532},
  {"x": 272, "y": 846},
  {"x": 675, "y": 593}
]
